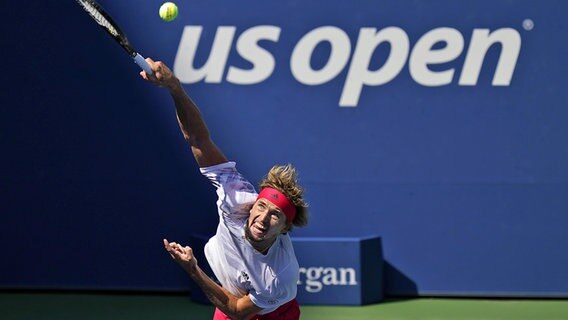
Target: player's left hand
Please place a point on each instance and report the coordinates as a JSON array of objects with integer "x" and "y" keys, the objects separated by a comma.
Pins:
[{"x": 182, "y": 255}]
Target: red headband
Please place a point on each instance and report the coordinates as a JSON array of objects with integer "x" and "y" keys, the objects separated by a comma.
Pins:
[{"x": 278, "y": 199}]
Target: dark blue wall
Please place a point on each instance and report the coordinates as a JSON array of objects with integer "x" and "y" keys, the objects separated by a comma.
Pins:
[{"x": 467, "y": 185}]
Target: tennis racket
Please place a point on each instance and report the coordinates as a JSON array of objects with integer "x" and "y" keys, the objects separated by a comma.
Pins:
[{"x": 105, "y": 21}]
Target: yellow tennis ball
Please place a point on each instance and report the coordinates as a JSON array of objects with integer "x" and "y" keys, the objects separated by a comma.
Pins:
[{"x": 168, "y": 11}]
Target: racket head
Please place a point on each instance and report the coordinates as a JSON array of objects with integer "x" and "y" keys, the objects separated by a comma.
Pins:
[{"x": 103, "y": 19}]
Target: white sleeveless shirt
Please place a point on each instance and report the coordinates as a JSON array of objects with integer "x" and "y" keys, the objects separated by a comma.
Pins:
[{"x": 270, "y": 280}]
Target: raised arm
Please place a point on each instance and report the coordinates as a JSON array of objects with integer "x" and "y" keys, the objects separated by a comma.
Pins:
[{"x": 190, "y": 120}]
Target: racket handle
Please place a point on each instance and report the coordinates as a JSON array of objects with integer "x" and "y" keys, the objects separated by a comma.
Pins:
[{"x": 143, "y": 64}]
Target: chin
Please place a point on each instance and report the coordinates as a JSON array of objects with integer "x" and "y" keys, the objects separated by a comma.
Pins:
[
  {"x": 259, "y": 238},
  {"x": 252, "y": 236}
]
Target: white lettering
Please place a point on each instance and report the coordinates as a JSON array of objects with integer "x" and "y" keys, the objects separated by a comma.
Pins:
[
  {"x": 330, "y": 277},
  {"x": 302, "y": 54},
  {"x": 481, "y": 41},
  {"x": 213, "y": 69},
  {"x": 262, "y": 60},
  {"x": 348, "y": 276},
  {"x": 317, "y": 277},
  {"x": 423, "y": 55},
  {"x": 359, "y": 73}
]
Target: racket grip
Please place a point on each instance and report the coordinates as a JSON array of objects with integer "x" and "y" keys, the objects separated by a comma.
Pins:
[{"x": 143, "y": 64}]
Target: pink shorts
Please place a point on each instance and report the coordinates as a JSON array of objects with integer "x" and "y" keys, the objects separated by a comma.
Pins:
[{"x": 287, "y": 311}]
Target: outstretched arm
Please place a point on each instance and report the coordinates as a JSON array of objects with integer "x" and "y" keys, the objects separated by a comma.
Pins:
[
  {"x": 189, "y": 117},
  {"x": 236, "y": 308}
]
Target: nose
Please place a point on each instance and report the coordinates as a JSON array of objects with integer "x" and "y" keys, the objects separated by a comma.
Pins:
[{"x": 265, "y": 216}]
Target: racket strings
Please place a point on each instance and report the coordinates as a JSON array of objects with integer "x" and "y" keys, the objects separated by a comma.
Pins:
[{"x": 99, "y": 18}]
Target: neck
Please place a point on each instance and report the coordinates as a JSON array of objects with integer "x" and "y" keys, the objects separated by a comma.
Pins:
[{"x": 262, "y": 247}]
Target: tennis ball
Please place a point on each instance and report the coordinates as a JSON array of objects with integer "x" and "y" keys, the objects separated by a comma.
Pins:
[{"x": 168, "y": 11}]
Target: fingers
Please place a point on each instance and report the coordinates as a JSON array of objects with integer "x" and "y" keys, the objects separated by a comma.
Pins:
[
  {"x": 182, "y": 255},
  {"x": 161, "y": 75},
  {"x": 155, "y": 68},
  {"x": 170, "y": 246},
  {"x": 143, "y": 74},
  {"x": 176, "y": 249}
]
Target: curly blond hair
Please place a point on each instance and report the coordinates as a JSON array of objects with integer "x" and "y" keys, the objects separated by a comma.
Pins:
[{"x": 285, "y": 179}]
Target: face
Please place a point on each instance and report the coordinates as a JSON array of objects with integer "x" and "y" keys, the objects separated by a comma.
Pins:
[{"x": 266, "y": 221}]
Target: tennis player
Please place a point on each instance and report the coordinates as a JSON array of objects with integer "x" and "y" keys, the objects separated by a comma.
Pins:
[{"x": 251, "y": 254}]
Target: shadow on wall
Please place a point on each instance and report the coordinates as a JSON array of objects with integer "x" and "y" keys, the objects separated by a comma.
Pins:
[{"x": 397, "y": 284}]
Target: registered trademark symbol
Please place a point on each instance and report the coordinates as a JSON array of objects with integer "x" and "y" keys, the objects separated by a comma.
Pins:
[{"x": 528, "y": 24}]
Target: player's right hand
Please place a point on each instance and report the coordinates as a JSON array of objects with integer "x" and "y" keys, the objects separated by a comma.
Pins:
[{"x": 162, "y": 76}]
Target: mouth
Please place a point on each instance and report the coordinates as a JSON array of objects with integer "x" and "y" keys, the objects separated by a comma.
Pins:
[{"x": 258, "y": 230}]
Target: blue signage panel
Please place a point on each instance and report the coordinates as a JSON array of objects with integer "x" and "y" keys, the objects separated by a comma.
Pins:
[{"x": 339, "y": 271}]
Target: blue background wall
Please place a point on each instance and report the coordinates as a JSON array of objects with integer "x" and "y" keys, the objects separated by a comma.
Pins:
[{"x": 467, "y": 185}]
